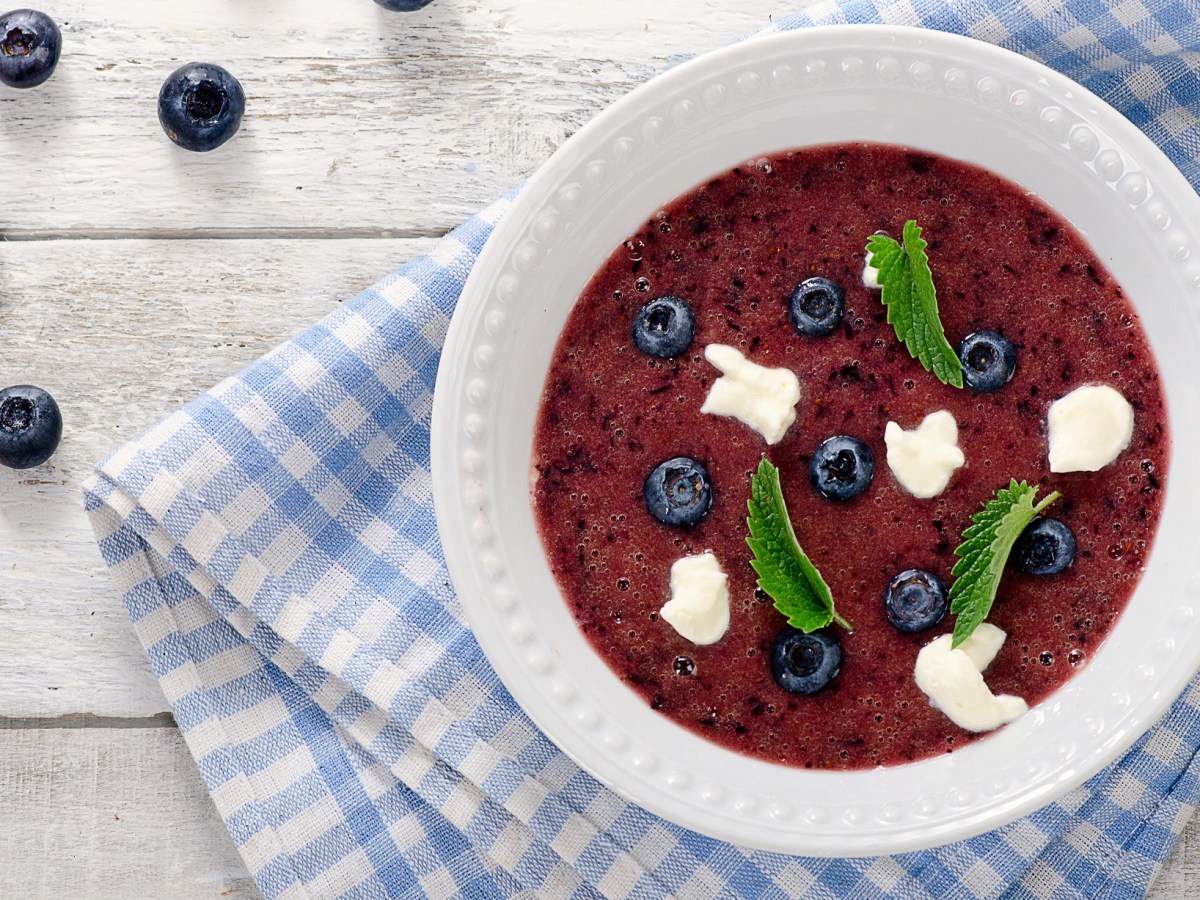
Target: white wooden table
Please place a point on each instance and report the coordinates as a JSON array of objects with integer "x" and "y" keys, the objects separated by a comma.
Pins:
[{"x": 134, "y": 275}]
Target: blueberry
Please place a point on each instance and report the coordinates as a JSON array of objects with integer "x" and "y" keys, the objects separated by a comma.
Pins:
[
  {"x": 678, "y": 492},
  {"x": 1045, "y": 547},
  {"x": 30, "y": 43},
  {"x": 664, "y": 327},
  {"x": 915, "y": 600},
  {"x": 805, "y": 663},
  {"x": 841, "y": 467},
  {"x": 30, "y": 426},
  {"x": 988, "y": 361},
  {"x": 200, "y": 106},
  {"x": 816, "y": 307},
  {"x": 403, "y": 5}
]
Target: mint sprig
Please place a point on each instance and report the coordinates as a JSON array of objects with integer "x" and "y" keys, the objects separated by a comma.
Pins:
[
  {"x": 911, "y": 301},
  {"x": 984, "y": 551},
  {"x": 784, "y": 570}
]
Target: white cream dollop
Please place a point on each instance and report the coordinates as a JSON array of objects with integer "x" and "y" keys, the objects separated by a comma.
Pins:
[
  {"x": 1089, "y": 428},
  {"x": 953, "y": 680},
  {"x": 765, "y": 399},
  {"x": 699, "y": 604},
  {"x": 924, "y": 459},
  {"x": 870, "y": 273}
]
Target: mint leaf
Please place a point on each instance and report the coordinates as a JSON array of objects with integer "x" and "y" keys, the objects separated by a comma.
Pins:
[
  {"x": 984, "y": 551},
  {"x": 785, "y": 572},
  {"x": 911, "y": 301}
]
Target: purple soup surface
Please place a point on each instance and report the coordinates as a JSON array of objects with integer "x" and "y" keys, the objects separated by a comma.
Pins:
[{"x": 735, "y": 248}]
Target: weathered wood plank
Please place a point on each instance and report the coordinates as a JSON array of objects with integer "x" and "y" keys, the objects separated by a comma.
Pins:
[
  {"x": 122, "y": 333},
  {"x": 355, "y": 119},
  {"x": 122, "y": 813},
  {"x": 108, "y": 814},
  {"x": 1180, "y": 877}
]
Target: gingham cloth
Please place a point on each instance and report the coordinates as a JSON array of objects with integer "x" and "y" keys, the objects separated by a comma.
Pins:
[{"x": 276, "y": 547}]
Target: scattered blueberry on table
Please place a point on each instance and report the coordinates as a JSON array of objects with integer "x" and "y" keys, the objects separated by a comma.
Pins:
[
  {"x": 678, "y": 492},
  {"x": 988, "y": 360},
  {"x": 200, "y": 106},
  {"x": 30, "y": 426},
  {"x": 30, "y": 44},
  {"x": 817, "y": 306},
  {"x": 804, "y": 663},
  {"x": 915, "y": 600},
  {"x": 1045, "y": 547},
  {"x": 403, "y": 5},
  {"x": 841, "y": 467}
]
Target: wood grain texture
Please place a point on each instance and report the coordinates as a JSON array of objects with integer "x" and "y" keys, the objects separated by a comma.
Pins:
[
  {"x": 361, "y": 125},
  {"x": 120, "y": 814},
  {"x": 122, "y": 333},
  {"x": 356, "y": 118},
  {"x": 1180, "y": 877},
  {"x": 111, "y": 814}
]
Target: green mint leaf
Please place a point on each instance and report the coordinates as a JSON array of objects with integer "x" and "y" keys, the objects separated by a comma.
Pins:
[
  {"x": 986, "y": 545},
  {"x": 911, "y": 301},
  {"x": 785, "y": 572}
]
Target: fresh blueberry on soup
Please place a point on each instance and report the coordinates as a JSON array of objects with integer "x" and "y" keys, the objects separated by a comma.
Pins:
[
  {"x": 988, "y": 361},
  {"x": 664, "y": 327},
  {"x": 841, "y": 467},
  {"x": 816, "y": 307},
  {"x": 804, "y": 663},
  {"x": 1046, "y": 547},
  {"x": 678, "y": 492},
  {"x": 915, "y": 600}
]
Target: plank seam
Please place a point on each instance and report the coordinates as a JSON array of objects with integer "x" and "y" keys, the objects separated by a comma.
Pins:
[
  {"x": 16, "y": 235},
  {"x": 85, "y": 720}
]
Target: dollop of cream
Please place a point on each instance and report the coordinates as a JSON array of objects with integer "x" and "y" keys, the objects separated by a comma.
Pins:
[
  {"x": 765, "y": 399},
  {"x": 699, "y": 604},
  {"x": 953, "y": 680},
  {"x": 1089, "y": 428},
  {"x": 870, "y": 273},
  {"x": 924, "y": 459}
]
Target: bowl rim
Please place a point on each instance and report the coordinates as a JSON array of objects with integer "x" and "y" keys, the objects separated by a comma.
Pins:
[{"x": 468, "y": 559}]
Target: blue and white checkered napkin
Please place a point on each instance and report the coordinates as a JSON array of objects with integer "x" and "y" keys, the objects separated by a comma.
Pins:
[{"x": 276, "y": 547}]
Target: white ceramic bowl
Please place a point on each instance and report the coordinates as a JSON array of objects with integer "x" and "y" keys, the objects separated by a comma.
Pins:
[{"x": 923, "y": 89}]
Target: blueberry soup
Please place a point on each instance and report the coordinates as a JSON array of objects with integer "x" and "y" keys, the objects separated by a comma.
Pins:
[{"x": 745, "y": 323}]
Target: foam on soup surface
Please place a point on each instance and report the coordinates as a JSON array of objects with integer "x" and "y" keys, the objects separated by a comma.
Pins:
[{"x": 735, "y": 248}]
